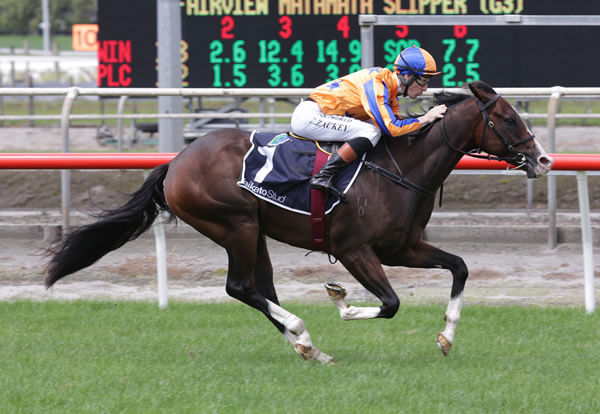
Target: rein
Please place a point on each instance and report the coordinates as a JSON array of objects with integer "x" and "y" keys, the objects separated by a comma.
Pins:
[{"x": 398, "y": 179}]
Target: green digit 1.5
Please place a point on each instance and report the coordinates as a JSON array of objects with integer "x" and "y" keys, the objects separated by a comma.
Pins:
[{"x": 217, "y": 78}]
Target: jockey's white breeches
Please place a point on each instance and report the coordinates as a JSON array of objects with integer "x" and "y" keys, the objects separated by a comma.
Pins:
[{"x": 310, "y": 122}]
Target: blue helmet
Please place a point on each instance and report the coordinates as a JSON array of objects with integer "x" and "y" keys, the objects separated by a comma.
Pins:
[{"x": 415, "y": 61}]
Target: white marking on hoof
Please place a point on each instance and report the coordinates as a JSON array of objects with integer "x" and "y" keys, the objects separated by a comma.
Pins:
[
  {"x": 444, "y": 344},
  {"x": 337, "y": 294},
  {"x": 305, "y": 352},
  {"x": 295, "y": 332},
  {"x": 335, "y": 290}
]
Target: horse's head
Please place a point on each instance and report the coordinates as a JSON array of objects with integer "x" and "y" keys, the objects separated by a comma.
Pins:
[{"x": 505, "y": 135}]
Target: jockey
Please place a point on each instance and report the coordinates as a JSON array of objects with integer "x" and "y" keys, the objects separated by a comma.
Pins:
[{"x": 359, "y": 107}]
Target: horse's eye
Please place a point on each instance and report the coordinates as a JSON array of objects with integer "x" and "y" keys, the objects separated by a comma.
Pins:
[{"x": 511, "y": 121}]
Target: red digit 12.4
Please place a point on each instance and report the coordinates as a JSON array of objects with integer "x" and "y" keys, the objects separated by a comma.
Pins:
[
  {"x": 227, "y": 25},
  {"x": 343, "y": 26},
  {"x": 286, "y": 27}
]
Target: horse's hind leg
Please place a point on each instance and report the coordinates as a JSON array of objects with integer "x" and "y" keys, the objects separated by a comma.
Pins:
[
  {"x": 250, "y": 280},
  {"x": 365, "y": 266},
  {"x": 263, "y": 272}
]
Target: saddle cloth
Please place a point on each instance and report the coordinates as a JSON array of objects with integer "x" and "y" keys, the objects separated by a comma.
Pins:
[{"x": 278, "y": 167}]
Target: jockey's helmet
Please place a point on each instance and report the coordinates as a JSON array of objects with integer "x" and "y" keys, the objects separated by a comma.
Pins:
[{"x": 415, "y": 61}]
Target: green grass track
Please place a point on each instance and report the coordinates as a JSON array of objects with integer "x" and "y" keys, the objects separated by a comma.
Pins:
[{"x": 105, "y": 357}]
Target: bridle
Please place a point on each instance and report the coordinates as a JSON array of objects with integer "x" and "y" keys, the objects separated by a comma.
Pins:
[{"x": 518, "y": 159}]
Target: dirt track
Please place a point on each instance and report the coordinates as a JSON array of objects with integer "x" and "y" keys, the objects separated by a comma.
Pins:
[{"x": 499, "y": 274}]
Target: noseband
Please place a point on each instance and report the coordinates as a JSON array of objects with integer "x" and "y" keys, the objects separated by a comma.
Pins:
[{"x": 517, "y": 158}]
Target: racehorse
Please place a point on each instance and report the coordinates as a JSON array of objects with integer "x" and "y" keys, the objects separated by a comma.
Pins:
[{"x": 199, "y": 187}]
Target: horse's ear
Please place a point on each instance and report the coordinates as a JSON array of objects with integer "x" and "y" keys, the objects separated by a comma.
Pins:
[
  {"x": 474, "y": 91},
  {"x": 481, "y": 90}
]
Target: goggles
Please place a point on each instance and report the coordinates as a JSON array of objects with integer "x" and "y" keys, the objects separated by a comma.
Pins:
[{"x": 422, "y": 80}]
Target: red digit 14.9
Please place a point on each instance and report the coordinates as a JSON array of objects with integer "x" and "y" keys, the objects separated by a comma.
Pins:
[
  {"x": 286, "y": 27},
  {"x": 343, "y": 26},
  {"x": 227, "y": 25}
]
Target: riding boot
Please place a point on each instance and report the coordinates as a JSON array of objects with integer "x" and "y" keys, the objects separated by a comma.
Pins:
[{"x": 323, "y": 179}]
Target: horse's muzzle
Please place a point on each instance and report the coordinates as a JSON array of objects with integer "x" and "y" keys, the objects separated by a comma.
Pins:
[
  {"x": 540, "y": 163},
  {"x": 539, "y": 166}
]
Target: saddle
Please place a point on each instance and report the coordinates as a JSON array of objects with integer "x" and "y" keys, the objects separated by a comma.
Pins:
[{"x": 277, "y": 168}]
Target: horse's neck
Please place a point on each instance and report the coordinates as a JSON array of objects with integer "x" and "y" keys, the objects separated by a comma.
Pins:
[{"x": 430, "y": 160}]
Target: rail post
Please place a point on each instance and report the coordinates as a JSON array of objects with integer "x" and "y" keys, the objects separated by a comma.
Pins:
[
  {"x": 65, "y": 175},
  {"x": 586, "y": 241},
  {"x": 551, "y": 125},
  {"x": 120, "y": 110}
]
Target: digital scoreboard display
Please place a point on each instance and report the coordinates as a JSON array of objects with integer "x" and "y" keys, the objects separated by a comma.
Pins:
[{"x": 304, "y": 43}]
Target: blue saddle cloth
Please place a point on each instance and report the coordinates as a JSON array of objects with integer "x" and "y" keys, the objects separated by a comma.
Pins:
[{"x": 278, "y": 167}]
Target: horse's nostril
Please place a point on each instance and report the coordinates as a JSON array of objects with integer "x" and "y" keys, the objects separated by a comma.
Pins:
[{"x": 545, "y": 161}]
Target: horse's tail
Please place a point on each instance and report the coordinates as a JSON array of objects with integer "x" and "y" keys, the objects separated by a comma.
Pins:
[{"x": 84, "y": 245}]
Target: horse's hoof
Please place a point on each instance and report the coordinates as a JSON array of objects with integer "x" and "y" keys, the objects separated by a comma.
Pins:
[
  {"x": 311, "y": 352},
  {"x": 304, "y": 351},
  {"x": 444, "y": 344},
  {"x": 335, "y": 290}
]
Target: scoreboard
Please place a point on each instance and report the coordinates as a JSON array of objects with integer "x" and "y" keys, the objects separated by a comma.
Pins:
[{"x": 304, "y": 43}]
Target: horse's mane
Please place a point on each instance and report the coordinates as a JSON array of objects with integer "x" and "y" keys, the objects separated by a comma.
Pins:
[{"x": 449, "y": 99}]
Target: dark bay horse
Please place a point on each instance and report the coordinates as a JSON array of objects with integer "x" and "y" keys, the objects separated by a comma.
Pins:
[{"x": 199, "y": 187}]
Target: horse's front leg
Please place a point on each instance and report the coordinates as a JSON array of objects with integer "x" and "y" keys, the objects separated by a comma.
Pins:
[{"x": 423, "y": 255}]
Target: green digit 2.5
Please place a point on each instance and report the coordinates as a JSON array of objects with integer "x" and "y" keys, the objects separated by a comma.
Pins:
[{"x": 449, "y": 71}]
